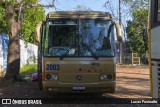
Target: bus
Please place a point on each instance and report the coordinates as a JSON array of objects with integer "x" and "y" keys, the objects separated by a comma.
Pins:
[
  {"x": 154, "y": 47},
  {"x": 76, "y": 52}
]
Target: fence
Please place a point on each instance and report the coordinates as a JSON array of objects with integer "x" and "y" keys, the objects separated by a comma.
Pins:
[
  {"x": 130, "y": 58},
  {"x": 28, "y": 52}
]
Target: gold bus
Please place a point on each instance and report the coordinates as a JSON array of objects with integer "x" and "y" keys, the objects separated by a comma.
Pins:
[
  {"x": 76, "y": 52},
  {"x": 154, "y": 47}
]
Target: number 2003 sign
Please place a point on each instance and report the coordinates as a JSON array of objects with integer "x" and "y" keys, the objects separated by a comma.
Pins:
[{"x": 52, "y": 67}]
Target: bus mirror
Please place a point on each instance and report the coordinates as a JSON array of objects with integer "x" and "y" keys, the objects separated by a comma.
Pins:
[
  {"x": 118, "y": 31},
  {"x": 37, "y": 32}
]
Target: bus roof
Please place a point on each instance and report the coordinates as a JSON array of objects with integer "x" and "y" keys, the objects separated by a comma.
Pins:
[{"x": 79, "y": 14}]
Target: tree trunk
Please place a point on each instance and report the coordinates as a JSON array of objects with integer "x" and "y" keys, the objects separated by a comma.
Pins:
[{"x": 13, "y": 57}]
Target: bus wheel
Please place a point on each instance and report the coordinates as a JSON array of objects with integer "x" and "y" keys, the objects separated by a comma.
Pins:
[
  {"x": 40, "y": 81},
  {"x": 112, "y": 90}
]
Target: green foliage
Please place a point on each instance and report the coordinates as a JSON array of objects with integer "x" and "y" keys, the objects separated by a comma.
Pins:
[
  {"x": 27, "y": 2},
  {"x": 135, "y": 30},
  {"x": 3, "y": 25},
  {"x": 28, "y": 69},
  {"x": 136, "y": 4},
  {"x": 32, "y": 16},
  {"x": 21, "y": 18}
]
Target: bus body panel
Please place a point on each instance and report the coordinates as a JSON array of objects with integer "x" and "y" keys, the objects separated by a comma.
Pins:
[
  {"x": 59, "y": 87},
  {"x": 88, "y": 69},
  {"x": 155, "y": 43},
  {"x": 155, "y": 60},
  {"x": 154, "y": 46}
]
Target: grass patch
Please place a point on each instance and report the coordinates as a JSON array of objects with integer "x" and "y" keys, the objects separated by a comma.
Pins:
[{"x": 28, "y": 69}]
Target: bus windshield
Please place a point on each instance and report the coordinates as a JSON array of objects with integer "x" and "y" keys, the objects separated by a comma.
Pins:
[{"x": 80, "y": 38}]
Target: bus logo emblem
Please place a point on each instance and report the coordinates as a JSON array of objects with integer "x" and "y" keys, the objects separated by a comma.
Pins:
[{"x": 79, "y": 77}]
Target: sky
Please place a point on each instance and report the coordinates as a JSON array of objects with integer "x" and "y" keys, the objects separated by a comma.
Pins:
[{"x": 95, "y": 5}]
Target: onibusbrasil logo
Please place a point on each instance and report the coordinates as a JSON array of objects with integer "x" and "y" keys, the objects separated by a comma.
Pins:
[{"x": 20, "y": 101}]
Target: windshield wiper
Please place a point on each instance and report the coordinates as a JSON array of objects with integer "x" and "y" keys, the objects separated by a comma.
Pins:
[
  {"x": 88, "y": 48},
  {"x": 84, "y": 45},
  {"x": 70, "y": 47}
]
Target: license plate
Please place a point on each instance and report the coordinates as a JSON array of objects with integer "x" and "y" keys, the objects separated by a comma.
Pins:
[{"x": 78, "y": 88}]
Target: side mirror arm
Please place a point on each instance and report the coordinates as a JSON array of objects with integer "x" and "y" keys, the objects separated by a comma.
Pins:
[
  {"x": 118, "y": 31},
  {"x": 37, "y": 31}
]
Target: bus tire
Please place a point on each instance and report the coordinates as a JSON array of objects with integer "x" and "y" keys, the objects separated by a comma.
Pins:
[
  {"x": 40, "y": 81},
  {"x": 112, "y": 90}
]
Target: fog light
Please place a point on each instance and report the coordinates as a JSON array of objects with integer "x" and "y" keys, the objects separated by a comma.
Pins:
[
  {"x": 106, "y": 77},
  {"x": 55, "y": 77},
  {"x": 103, "y": 77},
  {"x": 48, "y": 76},
  {"x": 109, "y": 76},
  {"x": 50, "y": 89}
]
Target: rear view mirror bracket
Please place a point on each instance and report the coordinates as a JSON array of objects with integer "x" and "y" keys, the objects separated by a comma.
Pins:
[
  {"x": 118, "y": 31},
  {"x": 37, "y": 31}
]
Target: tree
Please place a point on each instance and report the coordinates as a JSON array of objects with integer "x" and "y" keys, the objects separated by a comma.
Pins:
[
  {"x": 136, "y": 27},
  {"x": 13, "y": 10},
  {"x": 133, "y": 4},
  {"x": 138, "y": 11},
  {"x": 3, "y": 26},
  {"x": 135, "y": 30},
  {"x": 31, "y": 18}
]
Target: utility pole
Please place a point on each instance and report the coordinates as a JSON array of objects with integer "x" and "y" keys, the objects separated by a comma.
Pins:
[{"x": 120, "y": 45}]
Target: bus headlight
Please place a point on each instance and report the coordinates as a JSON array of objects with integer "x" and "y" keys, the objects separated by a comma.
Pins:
[
  {"x": 55, "y": 77},
  {"x": 48, "y": 76},
  {"x": 103, "y": 77},
  {"x": 106, "y": 77}
]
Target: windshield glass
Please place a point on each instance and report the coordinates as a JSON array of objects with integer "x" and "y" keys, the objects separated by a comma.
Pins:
[
  {"x": 87, "y": 37},
  {"x": 96, "y": 38}
]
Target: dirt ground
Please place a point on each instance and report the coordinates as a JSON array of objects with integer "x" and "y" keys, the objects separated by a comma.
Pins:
[{"x": 132, "y": 82}]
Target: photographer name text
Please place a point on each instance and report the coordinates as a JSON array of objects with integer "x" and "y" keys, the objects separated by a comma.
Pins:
[{"x": 144, "y": 101}]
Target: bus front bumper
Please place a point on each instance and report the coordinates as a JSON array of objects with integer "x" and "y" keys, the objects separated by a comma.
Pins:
[{"x": 59, "y": 87}]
